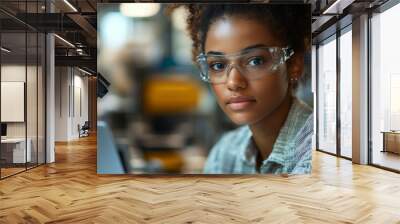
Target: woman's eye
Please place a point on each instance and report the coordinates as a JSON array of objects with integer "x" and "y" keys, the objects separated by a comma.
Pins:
[
  {"x": 256, "y": 61},
  {"x": 217, "y": 66}
]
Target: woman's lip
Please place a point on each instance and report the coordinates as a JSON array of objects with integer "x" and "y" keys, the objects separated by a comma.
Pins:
[
  {"x": 240, "y": 99},
  {"x": 240, "y": 103}
]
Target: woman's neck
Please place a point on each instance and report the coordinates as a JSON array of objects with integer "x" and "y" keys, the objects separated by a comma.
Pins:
[{"x": 266, "y": 131}]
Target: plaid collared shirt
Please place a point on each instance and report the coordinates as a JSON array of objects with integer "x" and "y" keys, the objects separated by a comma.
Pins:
[{"x": 235, "y": 152}]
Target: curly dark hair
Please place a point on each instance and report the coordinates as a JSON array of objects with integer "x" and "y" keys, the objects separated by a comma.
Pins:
[{"x": 291, "y": 22}]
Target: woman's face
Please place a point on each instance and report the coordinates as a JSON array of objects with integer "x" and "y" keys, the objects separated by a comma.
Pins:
[{"x": 246, "y": 101}]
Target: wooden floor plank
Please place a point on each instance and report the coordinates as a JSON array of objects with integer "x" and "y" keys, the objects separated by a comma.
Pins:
[{"x": 70, "y": 191}]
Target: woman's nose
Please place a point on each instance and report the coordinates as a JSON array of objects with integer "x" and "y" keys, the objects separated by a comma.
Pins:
[{"x": 235, "y": 79}]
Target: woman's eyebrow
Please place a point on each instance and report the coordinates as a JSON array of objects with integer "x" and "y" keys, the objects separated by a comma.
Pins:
[
  {"x": 216, "y": 53},
  {"x": 244, "y": 49},
  {"x": 253, "y": 46}
]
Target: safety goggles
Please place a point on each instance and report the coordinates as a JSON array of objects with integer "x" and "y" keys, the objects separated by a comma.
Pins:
[{"x": 252, "y": 63}]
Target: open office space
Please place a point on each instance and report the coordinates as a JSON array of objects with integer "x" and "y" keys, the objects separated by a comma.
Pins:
[{"x": 54, "y": 91}]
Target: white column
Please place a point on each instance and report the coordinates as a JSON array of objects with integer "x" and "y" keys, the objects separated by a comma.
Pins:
[
  {"x": 314, "y": 91},
  {"x": 50, "y": 92},
  {"x": 50, "y": 100},
  {"x": 360, "y": 90}
]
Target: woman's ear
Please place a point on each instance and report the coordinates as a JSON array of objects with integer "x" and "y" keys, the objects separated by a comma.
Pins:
[{"x": 295, "y": 66}]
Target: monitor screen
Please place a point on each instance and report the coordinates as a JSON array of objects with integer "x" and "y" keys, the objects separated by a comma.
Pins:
[{"x": 3, "y": 129}]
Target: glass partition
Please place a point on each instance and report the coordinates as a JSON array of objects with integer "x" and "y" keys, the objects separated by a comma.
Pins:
[
  {"x": 22, "y": 88},
  {"x": 346, "y": 93},
  {"x": 385, "y": 89},
  {"x": 31, "y": 99},
  {"x": 14, "y": 153},
  {"x": 327, "y": 95}
]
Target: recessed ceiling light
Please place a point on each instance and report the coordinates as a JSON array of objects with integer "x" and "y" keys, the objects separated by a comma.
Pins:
[
  {"x": 84, "y": 71},
  {"x": 70, "y": 5},
  {"x": 64, "y": 40},
  {"x": 5, "y": 50},
  {"x": 337, "y": 7},
  {"x": 139, "y": 9}
]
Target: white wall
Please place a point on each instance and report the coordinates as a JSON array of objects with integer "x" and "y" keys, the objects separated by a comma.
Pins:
[
  {"x": 12, "y": 73},
  {"x": 33, "y": 126},
  {"x": 71, "y": 94},
  {"x": 61, "y": 103}
]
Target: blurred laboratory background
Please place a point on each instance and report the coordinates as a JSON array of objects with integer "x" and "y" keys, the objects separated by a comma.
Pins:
[{"x": 155, "y": 114}]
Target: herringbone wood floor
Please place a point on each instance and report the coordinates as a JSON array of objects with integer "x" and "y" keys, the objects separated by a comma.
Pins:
[{"x": 69, "y": 191}]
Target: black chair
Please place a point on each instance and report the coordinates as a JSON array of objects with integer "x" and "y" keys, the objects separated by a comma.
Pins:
[{"x": 84, "y": 130}]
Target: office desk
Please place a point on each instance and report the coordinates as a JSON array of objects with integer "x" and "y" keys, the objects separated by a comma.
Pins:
[
  {"x": 391, "y": 141},
  {"x": 13, "y": 150}
]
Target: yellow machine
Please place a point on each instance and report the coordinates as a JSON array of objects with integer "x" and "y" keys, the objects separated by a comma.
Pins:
[
  {"x": 168, "y": 97},
  {"x": 171, "y": 94}
]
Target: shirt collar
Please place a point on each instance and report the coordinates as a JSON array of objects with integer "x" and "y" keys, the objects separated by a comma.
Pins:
[{"x": 284, "y": 144}]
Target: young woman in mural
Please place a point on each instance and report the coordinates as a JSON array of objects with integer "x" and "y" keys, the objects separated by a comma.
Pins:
[{"x": 252, "y": 55}]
